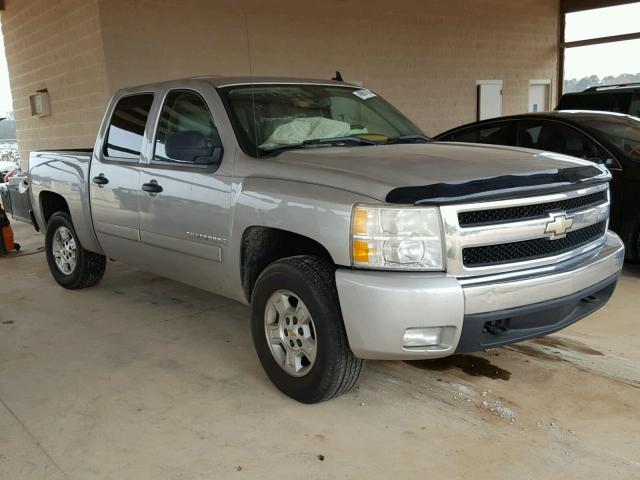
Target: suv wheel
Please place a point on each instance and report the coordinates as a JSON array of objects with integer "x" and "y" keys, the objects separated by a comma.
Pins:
[
  {"x": 298, "y": 331},
  {"x": 71, "y": 266}
]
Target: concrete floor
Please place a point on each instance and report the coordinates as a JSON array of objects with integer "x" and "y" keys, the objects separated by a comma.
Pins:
[{"x": 144, "y": 378}]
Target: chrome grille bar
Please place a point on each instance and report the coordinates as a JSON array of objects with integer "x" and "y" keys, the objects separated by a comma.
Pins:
[{"x": 458, "y": 237}]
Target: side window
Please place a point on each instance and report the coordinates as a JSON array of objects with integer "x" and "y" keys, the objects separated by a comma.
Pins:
[
  {"x": 496, "y": 134},
  {"x": 559, "y": 138},
  {"x": 126, "y": 129},
  {"x": 186, "y": 132},
  {"x": 634, "y": 108}
]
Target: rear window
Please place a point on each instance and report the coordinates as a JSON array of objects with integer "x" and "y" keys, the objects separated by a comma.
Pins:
[
  {"x": 619, "y": 102},
  {"x": 126, "y": 129}
]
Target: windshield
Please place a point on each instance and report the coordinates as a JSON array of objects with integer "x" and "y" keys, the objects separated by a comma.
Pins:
[
  {"x": 623, "y": 134},
  {"x": 273, "y": 117}
]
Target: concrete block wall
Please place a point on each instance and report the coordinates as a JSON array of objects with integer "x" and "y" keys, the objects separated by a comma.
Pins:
[
  {"x": 423, "y": 55},
  {"x": 57, "y": 45}
]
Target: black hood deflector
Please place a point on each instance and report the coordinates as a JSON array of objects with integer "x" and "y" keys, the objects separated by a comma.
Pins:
[{"x": 507, "y": 186}]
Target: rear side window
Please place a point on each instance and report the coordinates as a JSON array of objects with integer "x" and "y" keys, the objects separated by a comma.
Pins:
[
  {"x": 495, "y": 134},
  {"x": 126, "y": 129},
  {"x": 619, "y": 102}
]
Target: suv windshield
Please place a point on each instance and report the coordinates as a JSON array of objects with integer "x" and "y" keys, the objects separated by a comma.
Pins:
[
  {"x": 268, "y": 118},
  {"x": 623, "y": 134}
]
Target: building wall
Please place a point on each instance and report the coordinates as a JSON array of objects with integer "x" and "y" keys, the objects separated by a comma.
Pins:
[
  {"x": 423, "y": 55},
  {"x": 55, "y": 44}
]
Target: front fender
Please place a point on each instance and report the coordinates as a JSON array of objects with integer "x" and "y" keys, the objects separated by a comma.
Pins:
[{"x": 314, "y": 211}]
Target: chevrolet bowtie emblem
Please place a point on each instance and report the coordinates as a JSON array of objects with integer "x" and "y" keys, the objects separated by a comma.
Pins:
[{"x": 559, "y": 225}]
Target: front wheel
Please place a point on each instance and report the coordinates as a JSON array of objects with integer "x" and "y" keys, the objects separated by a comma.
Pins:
[
  {"x": 298, "y": 331},
  {"x": 71, "y": 266}
]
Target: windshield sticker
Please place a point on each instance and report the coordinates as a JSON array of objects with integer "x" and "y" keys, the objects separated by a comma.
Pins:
[{"x": 364, "y": 94}]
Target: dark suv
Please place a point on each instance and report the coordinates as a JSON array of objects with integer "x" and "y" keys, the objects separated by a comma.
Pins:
[{"x": 623, "y": 98}]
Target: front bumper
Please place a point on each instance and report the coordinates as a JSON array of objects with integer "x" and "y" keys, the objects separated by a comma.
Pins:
[{"x": 378, "y": 307}]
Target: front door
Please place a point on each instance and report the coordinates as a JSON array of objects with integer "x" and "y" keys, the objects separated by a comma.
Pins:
[
  {"x": 115, "y": 178},
  {"x": 185, "y": 202}
]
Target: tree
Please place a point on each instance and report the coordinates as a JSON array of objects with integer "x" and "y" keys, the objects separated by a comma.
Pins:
[{"x": 575, "y": 85}]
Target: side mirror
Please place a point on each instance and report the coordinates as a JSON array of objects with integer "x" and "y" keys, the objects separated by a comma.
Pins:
[
  {"x": 611, "y": 163},
  {"x": 192, "y": 147}
]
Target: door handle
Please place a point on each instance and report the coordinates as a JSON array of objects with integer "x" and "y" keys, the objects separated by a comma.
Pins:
[
  {"x": 152, "y": 187},
  {"x": 100, "y": 180}
]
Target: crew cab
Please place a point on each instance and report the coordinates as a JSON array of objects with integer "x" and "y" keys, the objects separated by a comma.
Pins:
[{"x": 351, "y": 234}]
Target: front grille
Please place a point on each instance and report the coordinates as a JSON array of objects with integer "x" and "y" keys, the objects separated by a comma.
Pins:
[
  {"x": 524, "y": 212},
  {"x": 531, "y": 249}
]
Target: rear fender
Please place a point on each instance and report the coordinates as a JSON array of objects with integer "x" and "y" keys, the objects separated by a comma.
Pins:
[{"x": 64, "y": 174}]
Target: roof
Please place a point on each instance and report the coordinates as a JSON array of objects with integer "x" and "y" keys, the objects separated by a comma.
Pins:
[
  {"x": 620, "y": 87},
  {"x": 218, "y": 81},
  {"x": 569, "y": 116}
]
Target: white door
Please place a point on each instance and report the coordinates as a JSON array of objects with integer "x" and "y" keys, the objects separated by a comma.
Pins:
[
  {"x": 489, "y": 99},
  {"x": 538, "y": 97}
]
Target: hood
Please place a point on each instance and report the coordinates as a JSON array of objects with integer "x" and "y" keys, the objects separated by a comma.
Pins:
[{"x": 375, "y": 171}]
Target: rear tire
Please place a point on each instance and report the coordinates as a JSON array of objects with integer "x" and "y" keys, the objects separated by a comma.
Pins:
[
  {"x": 71, "y": 266},
  {"x": 331, "y": 369}
]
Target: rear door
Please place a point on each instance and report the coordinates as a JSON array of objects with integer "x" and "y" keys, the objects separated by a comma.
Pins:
[
  {"x": 185, "y": 204},
  {"x": 115, "y": 176}
]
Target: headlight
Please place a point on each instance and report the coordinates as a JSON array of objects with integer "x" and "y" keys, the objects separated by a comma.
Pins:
[{"x": 396, "y": 238}]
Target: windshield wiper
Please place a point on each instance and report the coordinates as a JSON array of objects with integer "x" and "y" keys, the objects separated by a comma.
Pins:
[
  {"x": 410, "y": 139},
  {"x": 319, "y": 141},
  {"x": 338, "y": 140}
]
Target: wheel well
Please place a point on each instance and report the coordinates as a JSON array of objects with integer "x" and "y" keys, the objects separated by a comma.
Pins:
[
  {"x": 51, "y": 203},
  {"x": 262, "y": 246}
]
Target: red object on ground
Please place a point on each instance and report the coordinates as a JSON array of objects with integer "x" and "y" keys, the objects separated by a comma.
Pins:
[
  {"x": 7, "y": 239},
  {"x": 7, "y": 243}
]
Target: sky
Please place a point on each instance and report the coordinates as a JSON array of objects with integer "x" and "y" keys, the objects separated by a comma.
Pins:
[
  {"x": 606, "y": 59},
  {"x": 5, "y": 93},
  {"x": 600, "y": 60}
]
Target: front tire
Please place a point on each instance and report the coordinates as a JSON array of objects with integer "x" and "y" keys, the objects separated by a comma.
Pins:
[
  {"x": 71, "y": 266},
  {"x": 298, "y": 332}
]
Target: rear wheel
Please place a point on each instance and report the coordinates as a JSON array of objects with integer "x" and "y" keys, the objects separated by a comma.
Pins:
[
  {"x": 71, "y": 266},
  {"x": 298, "y": 331}
]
